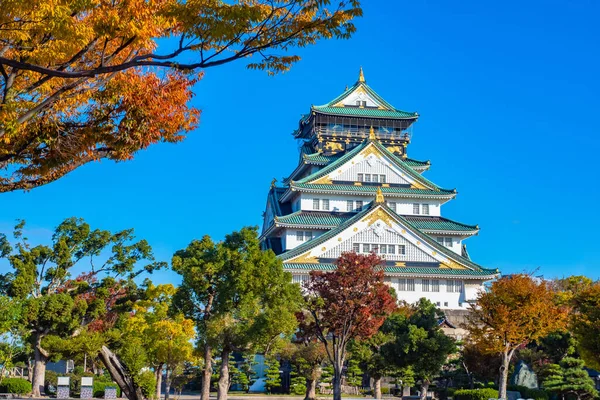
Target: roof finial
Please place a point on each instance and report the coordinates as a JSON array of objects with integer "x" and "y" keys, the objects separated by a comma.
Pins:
[
  {"x": 361, "y": 75},
  {"x": 379, "y": 196},
  {"x": 372, "y": 134}
]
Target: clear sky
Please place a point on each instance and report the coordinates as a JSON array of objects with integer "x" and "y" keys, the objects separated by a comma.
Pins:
[{"x": 508, "y": 94}]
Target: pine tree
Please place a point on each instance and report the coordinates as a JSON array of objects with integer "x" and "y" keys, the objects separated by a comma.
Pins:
[
  {"x": 569, "y": 379},
  {"x": 354, "y": 373},
  {"x": 298, "y": 384},
  {"x": 273, "y": 377}
]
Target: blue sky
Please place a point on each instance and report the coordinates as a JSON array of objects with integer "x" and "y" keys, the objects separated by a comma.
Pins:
[{"x": 508, "y": 94}]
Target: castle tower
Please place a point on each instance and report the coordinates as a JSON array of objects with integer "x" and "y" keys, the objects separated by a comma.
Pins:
[{"x": 355, "y": 189}]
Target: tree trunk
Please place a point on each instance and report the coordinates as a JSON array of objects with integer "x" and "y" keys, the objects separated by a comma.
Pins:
[
  {"x": 120, "y": 375},
  {"x": 206, "y": 373},
  {"x": 158, "y": 374},
  {"x": 39, "y": 367},
  {"x": 223, "y": 388},
  {"x": 167, "y": 382},
  {"x": 503, "y": 375},
  {"x": 311, "y": 389},
  {"x": 377, "y": 387},
  {"x": 424, "y": 389},
  {"x": 337, "y": 379}
]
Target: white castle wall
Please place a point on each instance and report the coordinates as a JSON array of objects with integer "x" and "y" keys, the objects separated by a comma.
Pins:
[{"x": 339, "y": 203}]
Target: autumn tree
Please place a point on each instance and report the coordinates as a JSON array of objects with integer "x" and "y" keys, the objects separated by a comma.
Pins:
[
  {"x": 86, "y": 80},
  {"x": 239, "y": 296},
  {"x": 419, "y": 343},
  {"x": 585, "y": 323},
  {"x": 56, "y": 304},
  {"x": 516, "y": 310},
  {"x": 348, "y": 303}
]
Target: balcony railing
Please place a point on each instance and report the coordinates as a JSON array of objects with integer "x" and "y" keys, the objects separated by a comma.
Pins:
[{"x": 361, "y": 133}]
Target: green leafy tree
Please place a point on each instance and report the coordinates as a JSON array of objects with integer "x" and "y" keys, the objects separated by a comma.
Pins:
[
  {"x": 585, "y": 324},
  {"x": 354, "y": 373},
  {"x": 239, "y": 296},
  {"x": 13, "y": 338},
  {"x": 56, "y": 303},
  {"x": 568, "y": 379},
  {"x": 419, "y": 342},
  {"x": 272, "y": 374}
]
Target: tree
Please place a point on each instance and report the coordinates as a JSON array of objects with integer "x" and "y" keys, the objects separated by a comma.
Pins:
[
  {"x": 569, "y": 378},
  {"x": 13, "y": 337},
  {"x": 82, "y": 81},
  {"x": 419, "y": 342},
  {"x": 56, "y": 305},
  {"x": 351, "y": 302},
  {"x": 306, "y": 357},
  {"x": 371, "y": 356},
  {"x": 239, "y": 296},
  {"x": 272, "y": 374},
  {"x": 479, "y": 364},
  {"x": 585, "y": 323},
  {"x": 515, "y": 311}
]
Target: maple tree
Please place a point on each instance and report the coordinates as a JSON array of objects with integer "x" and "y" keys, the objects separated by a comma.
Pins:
[
  {"x": 348, "y": 303},
  {"x": 87, "y": 80},
  {"x": 238, "y": 295},
  {"x": 585, "y": 324},
  {"x": 516, "y": 310}
]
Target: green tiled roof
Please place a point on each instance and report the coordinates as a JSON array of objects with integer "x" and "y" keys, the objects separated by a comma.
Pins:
[
  {"x": 370, "y": 190},
  {"x": 415, "y": 163},
  {"x": 401, "y": 270},
  {"x": 366, "y": 112},
  {"x": 396, "y": 160},
  {"x": 319, "y": 158},
  {"x": 331, "y": 233},
  {"x": 331, "y": 220}
]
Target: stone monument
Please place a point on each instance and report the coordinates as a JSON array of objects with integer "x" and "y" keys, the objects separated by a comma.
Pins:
[{"x": 524, "y": 376}]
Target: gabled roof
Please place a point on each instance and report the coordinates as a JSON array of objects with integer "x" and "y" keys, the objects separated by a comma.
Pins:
[
  {"x": 409, "y": 271},
  {"x": 381, "y": 108},
  {"x": 373, "y": 208},
  {"x": 369, "y": 190},
  {"x": 377, "y": 148}
]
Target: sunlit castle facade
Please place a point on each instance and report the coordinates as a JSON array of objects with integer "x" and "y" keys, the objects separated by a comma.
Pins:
[{"x": 356, "y": 189}]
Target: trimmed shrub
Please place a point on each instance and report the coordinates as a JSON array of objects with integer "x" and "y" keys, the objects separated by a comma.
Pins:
[
  {"x": 147, "y": 382},
  {"x": 475, "y": 394},
  {"x": 527, "y": 393},
  {"x": 98, "y": 388},
  {"x": 15, "y": 386}
]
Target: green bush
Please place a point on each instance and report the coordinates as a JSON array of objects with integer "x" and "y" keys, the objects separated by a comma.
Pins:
[
  {"x": 475, "y": 394},
  {"x": 15, "y": 386},
  {"x": 50, "y": 381},
  {"x": 385, "y": 390},
  {"x": 147, "y": 382},
  {"x": 98, "y": 388},
  {"x": 527, "y": 393}
]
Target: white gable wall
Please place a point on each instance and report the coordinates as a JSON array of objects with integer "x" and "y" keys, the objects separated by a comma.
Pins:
[{"x": 359, "y": 95}]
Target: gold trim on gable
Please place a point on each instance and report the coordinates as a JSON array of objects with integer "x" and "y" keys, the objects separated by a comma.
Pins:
[
  {"x": 325, "y": 180},
  {"x": 449, "y": 264},
  {"x": 400, "y": 264},
  {"x": 304, "y": 259},
  {"x": 417, "y": 185},
  {"x": 379, "y": 214},
  {"x": 371, "y": 149}
]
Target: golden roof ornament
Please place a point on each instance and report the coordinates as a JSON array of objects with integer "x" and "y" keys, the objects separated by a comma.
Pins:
[
  {"x": 372, "y": 134},
  {"x": 273, "y": 183},
  {"x": 379, "y": 196},
  {"x": 361, "y": 76}
]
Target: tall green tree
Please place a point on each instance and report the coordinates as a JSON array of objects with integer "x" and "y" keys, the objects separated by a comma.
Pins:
[
  {"x": 568, "y": 378},
  {"x": 239, "y": 296},
  {"x": 419, "y": 342},
  {"x": 585, "y": 324},
  {"x": 13, "y": 337},
  {"x": 272, "y": 374},
  {"x": 58, "y": 304}
]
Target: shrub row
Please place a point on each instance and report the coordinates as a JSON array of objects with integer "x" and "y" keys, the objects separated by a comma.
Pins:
[
  {"x": 99, "y": 387},
  {"x": 15, "y": 386},
  {"x": 475, "y": 394},
  {"x": 527, "y": 393}
]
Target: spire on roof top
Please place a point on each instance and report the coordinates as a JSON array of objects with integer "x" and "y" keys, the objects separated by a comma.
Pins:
[
  {"x": 361, "y": 76},
  {"x": 372, "y": 134},
  {"x": 379, "y": 196}
]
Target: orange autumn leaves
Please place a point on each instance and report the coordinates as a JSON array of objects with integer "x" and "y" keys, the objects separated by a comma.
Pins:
[{"x": 82, "y": 80}]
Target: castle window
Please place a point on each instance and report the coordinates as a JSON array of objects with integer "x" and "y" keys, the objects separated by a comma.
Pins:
[
  {"x": 349, "y": 205},
  {"x": 360, "y": 177},
  {"x": 368, "y": 177},
  {"x": 308, "y": 236},
  {"x": 425, "y": 285},
  {"x": 458, "y": 287},
  {"x": 316, "y": 204},
  {"x": 401, "y": 249},
  {"x": 382, "y": 248},
  {"x": 366, "y": 248},
  {"x": 359, "y": 205},
  {"x": 425, "y": 209},
  {"x": 300, "y": 236},
  {"x": 435, "y": 285},
  {"x": 437, "y": 303},
  {"x": 356, "y": 247},
  {"x": 382, "y": 178},
  {"x": 410, "y": 285},
  {"x": 449, "y": 286},
  {"x": 448, "y": 242},
  {"x": 440, "y": 240},
  {"x": 392, "y": 205},
  {"x": 325, "y": 204},
  {"x": 402, "y": 285},
  {"x": 391, "y": 249},
  {"x": 375, "y": 248},
  {"x": 445, "y": 304},
  {"x": 416, "y": 208}
]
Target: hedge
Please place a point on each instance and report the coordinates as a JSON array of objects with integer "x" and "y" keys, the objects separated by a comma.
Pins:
[
  {"x": 527, "y": 393},
  {"x": 15, "y": 386},
  {"x": 475, "y": 394},
  {"x": 98, "y": 388}
]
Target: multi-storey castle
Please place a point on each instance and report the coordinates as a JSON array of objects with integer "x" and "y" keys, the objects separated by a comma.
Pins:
[{"x": 356, "y": 189}]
